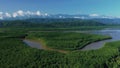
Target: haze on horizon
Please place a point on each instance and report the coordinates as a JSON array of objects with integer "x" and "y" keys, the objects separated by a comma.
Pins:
[{"x": 102, "y": 7}]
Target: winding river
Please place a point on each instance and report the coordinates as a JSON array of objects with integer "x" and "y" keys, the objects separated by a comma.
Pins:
[{"x": 114, "y": 33}]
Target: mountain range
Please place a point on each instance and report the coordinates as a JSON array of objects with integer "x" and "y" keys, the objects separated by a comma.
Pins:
[{"x": 20, "y": 15}]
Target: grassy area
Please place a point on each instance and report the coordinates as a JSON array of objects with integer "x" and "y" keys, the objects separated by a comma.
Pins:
[{"x": 66, "y": 40}]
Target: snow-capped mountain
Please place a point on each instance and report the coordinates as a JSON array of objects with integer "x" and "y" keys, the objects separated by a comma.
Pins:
[{"x": 37, "y": 14}]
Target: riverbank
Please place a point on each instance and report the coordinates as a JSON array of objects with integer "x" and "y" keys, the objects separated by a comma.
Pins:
[
  {"x": 40, "y": 44},
  {"x": 14, "y": 53},
  {"x": 65, "y": 41},
  {"x": 114, "y": 33}
]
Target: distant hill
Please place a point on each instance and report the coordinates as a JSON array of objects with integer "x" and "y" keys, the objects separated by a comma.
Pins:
[
  {"x": 108, "y": 21},
  {"x": 66, "y": 18},
  {"x": 1, "y": 24},
  {"x": 43, "y": 22}
]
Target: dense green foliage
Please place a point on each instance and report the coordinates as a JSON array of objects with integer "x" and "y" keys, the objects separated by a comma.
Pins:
[
  {"x": 66, "y": 40},
  {"x": 106, "y": 57},
  {"x": 15, "y": 54}
]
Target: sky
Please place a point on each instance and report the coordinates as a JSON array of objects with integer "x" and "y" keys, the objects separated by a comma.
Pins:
[{"x": 102, "y": 7}]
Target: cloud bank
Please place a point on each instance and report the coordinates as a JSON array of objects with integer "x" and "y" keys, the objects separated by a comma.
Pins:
[{"x": 21, "y": 13}]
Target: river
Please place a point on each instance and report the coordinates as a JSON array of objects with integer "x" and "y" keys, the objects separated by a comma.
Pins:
[{"x": 114, "y": 33}]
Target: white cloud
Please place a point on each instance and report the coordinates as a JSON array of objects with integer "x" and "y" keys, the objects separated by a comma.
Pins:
[
  {"x": 94, "y": 15},
  {"x": 46, "y": 14},
  {"x": 28, "y": 13},
  {"x": 1, "y": 15},
  {"x": 38, "y": 13},
  {"x": 8, "y": 15},
  {"x": 15, "y": 15},
  {"x": 77, "y": 17},
  {"x": 60, "y": 16},
  {"x": 82, "y": 17},
  {"x": 20, "y": 13}
]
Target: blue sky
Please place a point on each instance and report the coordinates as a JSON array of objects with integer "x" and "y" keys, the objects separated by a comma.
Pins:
[{"x": 102, "y": 7}]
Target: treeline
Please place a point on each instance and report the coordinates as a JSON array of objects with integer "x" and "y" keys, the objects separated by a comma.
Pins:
[{"x": 55, "y": 23}]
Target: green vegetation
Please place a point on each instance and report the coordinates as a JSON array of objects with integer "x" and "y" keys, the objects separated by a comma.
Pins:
[
  {"x": 106, "y": 57},
  {"x": 15, "y": 54},
  {"x": 50, "y": 23},
  {"x": 66, "y": 40}
]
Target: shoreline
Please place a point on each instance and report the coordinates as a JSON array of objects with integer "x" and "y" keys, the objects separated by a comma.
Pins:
[{"x": 44, "y": 47}]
